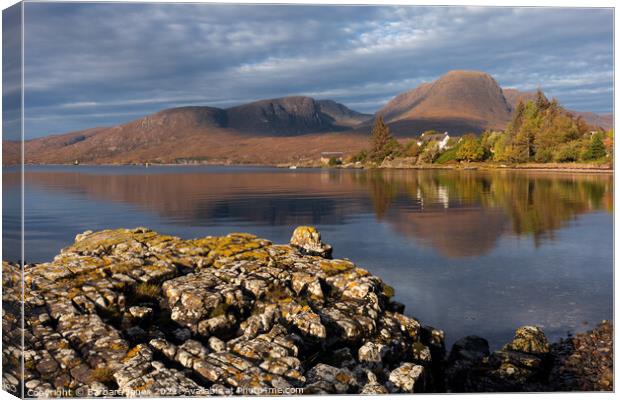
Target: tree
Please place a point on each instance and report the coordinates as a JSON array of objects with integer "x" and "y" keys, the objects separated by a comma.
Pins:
[
  {"x": 412, "y": 149},
  {"x": 595, "y": 149},
  {"x": 568, "y": 152},
  {"x": 541, "y": 101},
  {"x": 470, "y": 149},
  {"x": 380, "y": 140},
  {"x": 431, "y": 152},
  {"x": 609, "y": 142},
  {"x": 523, "y": 138},
  {"x": 517, "y": 117}
]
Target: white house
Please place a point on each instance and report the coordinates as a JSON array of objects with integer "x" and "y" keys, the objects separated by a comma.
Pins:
[{"x": 440, "y": 138}]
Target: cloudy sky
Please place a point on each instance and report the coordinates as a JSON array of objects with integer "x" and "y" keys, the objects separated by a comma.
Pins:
[{"x": 100, "y": 64}]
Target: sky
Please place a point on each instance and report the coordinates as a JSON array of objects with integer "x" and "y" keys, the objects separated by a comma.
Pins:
[{"x": 97, "y": 64}]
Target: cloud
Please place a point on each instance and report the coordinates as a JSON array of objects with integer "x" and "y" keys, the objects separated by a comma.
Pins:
[{"x": 99, "y": 64}]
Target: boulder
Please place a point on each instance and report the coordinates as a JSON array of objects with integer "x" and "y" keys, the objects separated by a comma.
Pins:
[
  {"x": 470, "y": 348},
  {"x": 408, "y": 377},
  {"x": 529, "y": 339},
  {"x": 307, "y": 240}
]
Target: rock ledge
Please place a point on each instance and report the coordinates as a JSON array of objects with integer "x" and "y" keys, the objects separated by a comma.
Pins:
[{"x": 132, "y": 312}]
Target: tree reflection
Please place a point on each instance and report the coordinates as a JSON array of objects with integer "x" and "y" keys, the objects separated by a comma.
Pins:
[
  {"x": 458, "y": 213},
  {"x": 536, "y": 204}
]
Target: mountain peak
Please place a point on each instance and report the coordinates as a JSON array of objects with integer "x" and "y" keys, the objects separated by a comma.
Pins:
[
  {"x": 466, "y": 73},
  {"x": 459, "y": 101}
]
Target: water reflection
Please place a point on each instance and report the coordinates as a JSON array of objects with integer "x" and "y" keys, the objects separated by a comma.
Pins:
[
  {"x": 462, "y": 213},
  {"x": 457, "y": 213},
  {"x": 470, "y": 252}
]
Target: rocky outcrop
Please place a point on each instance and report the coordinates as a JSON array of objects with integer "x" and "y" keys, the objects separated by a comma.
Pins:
[
  {"x": 585, "y": 361},
  {"x": 530, "y": 363},
  {"x": 131, "y": 312}
]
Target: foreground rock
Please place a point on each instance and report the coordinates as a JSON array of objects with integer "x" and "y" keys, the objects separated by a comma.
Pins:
[
  {"x": 136, "y": 313},
  {"x": 529, "y": 363}
]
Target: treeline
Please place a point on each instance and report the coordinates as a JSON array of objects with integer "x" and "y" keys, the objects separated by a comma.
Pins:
[{"x": 540, "y": 131}]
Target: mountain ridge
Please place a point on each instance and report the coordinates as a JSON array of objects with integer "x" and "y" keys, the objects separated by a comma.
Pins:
[{"x": 457, "y": 102}]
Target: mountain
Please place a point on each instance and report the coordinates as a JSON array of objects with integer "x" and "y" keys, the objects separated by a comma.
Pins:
[
  {"x": 266, "y": 131},
  {"x": 514, "y": 96},
  {"x": 603, "y": 121},
  {"x": 292, "y": 116},
  {"x": 287, "y": 129},
  {"x": 459, "y": 101},
  {"x": 341, "y": 115}
]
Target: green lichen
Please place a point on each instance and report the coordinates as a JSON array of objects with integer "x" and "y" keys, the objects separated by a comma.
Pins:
[{"x": 334, "y": 267}]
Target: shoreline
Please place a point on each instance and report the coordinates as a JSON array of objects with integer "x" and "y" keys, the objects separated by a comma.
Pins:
[{"x": 530, "y": 167}]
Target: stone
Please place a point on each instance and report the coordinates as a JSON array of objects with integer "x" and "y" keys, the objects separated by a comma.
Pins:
[
  {"x": 307, "y": 240},
  {"x": 217, "y": 344},
  {"x": 471, "y": 348},
  {"x": 342, "y": 358},
  {"x": 374, "y": 388},
  {"x": 182, "y": 334},
  {"x": 421, "y": 354},
  {"x": 140, "y": 313},
  {"x": 529, "y": 339},
  {"x": 340, "y": 379},
  {"x": 407, "y": 376},
  {"x": 372, "y": 352}
]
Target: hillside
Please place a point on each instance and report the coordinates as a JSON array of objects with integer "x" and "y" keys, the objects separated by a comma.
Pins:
[
  {"x": 298, "y": 127},
  {"x": 286, "y": 129},
  {"x": 459, "y": 101},
  {"x": 604, "y": 121},
  {"x": 514, "y": 96}
]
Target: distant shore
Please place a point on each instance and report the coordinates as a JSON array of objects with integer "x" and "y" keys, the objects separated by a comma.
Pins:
[{"x": 546, "y": 167}]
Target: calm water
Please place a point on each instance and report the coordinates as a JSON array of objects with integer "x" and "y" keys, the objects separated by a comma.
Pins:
[{"x": 469, "y": 252}]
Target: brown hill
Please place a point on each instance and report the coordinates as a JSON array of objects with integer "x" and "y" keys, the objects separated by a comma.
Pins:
[
  {"x": 286, "y": 129},
  {"x": 244, "y": 134},
  {"x": 603, "y": 121},
  {"x": 459, "y": 101}
]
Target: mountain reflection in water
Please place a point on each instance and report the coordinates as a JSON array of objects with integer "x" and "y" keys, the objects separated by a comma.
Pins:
[
  {"x": 457, "y": 213},
  {"x": 471, "y": 252}
]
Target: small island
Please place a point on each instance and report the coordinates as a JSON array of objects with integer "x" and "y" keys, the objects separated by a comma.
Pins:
[{"x": 131, "y": 312}]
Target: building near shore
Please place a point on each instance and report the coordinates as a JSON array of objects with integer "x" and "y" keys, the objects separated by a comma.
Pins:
[{"x": 441, "y": 139}]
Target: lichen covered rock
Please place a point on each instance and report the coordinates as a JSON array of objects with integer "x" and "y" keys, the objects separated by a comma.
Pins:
[
  {"x": 135, "y": 313},
  {"x": 308, "y": 240}
]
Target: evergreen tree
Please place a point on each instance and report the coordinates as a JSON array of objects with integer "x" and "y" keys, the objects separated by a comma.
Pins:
[
  {"x": 516, "y": 120},
  {"x": 542, "y": 103},
  {"x": 596, "y": 148},
  {"x": 380, "y": 140}
]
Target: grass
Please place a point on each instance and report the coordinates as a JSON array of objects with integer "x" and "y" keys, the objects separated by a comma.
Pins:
[
  {"x": 447, "y": 156},
  {"x": 147, "y": 291}
]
